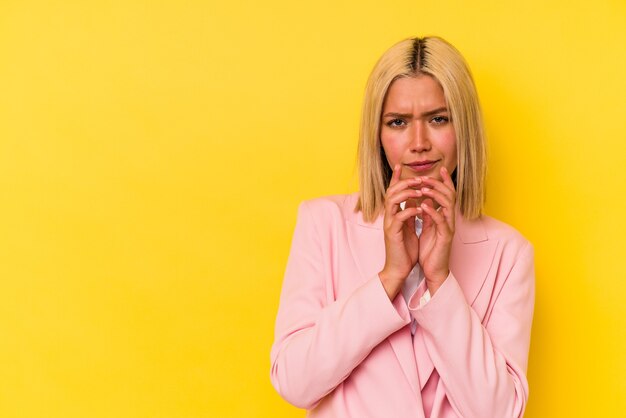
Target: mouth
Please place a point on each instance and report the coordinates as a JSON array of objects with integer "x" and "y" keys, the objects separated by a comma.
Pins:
[{"x": 422, "y": 166}]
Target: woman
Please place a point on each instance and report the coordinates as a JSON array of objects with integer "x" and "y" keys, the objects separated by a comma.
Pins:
[{"x": 403, "y": 300}]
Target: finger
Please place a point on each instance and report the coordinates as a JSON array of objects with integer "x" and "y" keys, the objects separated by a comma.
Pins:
[
  {"x": 439, "y": 185},
  {"x": 391, "y": 209},
  {"x": 410, "y": 183},
  {"x": 438, "y": 219},
  {"x": 447, "y": 178},
  {"x": 446, "y": 206},
  {"x": 450, "y": 191},
  {"x": 449, "y": 212},
  {"x": 395, "y": 176},
  {"x": 397, "y": 194},
  {"x": 409, "y": 224},
  {"x": 392, "y": 204},
  {"x": 437, "y": 196},
  {"x": 426, "y": 220},
  {"x": 399, "y": 220},
  {"x": 404, "y": 195}
]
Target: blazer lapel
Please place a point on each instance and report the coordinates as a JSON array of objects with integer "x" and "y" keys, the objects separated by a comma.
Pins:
[
  {"x": 367, "y": 245},
  {"x": 471, "y": 257},
  {"x": 402, "y": 345}
]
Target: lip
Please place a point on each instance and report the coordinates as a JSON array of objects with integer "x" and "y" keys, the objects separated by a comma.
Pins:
[{"x": 422, "y": 166}]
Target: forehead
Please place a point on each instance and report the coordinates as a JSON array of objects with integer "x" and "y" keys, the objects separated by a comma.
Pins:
[{"x": 414, "y": 94}]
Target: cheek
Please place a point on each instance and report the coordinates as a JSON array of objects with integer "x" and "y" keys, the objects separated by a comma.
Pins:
[
  {"x": 392, "y": 150},
  {"x": 453, "y": 154},
  {"x": 450, "y": 151}
]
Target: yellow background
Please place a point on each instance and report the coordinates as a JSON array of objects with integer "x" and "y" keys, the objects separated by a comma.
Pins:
[{"x": 153, "y": 154}]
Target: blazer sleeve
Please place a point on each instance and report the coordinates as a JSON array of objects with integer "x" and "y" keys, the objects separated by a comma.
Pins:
[
  {"x": 483, "y": 367},
  {"x": 319, "y": 340}
]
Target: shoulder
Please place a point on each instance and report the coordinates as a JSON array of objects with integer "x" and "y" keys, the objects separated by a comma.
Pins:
[
  {"x": 509, "y": 238},
  {"x": 339, "y": 206},
  {"x": 486, "y": 228},
  {"x": 320, "y": 219},
  {"x": 501, "y": 230}
]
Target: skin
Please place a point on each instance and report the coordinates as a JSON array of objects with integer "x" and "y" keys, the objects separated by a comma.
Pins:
[{"x": 416, "y": 126}]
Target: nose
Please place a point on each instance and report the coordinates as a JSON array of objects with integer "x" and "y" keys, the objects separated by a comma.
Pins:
[{"x": 420, "y": 141}]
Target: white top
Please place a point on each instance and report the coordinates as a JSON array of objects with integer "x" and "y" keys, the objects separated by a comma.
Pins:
[{"x": 415, "y": 278}]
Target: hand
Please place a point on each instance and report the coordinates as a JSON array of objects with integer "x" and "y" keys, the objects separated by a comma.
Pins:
[
  {"x": 401, "y": 241},
  {"x": 437, "y": 228}
]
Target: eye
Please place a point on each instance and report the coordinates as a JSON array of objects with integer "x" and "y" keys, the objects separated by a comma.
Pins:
[
  {"x": 439, "y": 120},
  {"x": 396, "y": 123}
]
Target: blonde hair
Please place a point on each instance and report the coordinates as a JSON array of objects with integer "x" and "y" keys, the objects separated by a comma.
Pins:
[{"x": 435, "y": 57}]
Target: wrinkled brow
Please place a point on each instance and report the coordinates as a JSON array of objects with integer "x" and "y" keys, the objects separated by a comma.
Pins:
[{"x": 410, "y": 115}]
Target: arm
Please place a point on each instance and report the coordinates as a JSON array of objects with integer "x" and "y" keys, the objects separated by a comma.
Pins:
[
  {"x": 318, "y": 340},
  {"x": 483, "y": 367}
]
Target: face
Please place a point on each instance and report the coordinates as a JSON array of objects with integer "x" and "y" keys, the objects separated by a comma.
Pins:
[{"x": 416, "y": 130}]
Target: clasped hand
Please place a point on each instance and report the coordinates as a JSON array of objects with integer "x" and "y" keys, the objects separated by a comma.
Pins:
[{"x": 403, "y": 248}]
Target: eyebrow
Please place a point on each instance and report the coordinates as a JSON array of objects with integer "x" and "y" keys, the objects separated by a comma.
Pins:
[{"x": 410, "y": 115}]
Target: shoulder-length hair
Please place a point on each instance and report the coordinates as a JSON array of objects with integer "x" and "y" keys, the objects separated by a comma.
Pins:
[{"x": 435, "y": 57}]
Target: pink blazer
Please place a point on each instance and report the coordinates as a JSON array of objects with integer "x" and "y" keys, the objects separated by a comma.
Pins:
[{"x": 342, "y": 349}]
